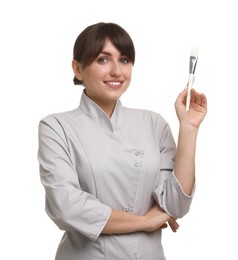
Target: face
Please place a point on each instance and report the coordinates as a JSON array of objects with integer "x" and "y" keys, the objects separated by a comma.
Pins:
[{"x": 108, "y": 77}]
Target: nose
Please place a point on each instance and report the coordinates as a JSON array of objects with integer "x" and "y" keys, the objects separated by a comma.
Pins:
[{"x": 115, "y": 69}]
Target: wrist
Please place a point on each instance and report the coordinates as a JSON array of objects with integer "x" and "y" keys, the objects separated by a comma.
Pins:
[
  {"x": 187, "y": 125},
  {"x": 153, "y": 223}
]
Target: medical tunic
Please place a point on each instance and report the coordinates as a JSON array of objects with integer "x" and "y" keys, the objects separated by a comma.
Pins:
[{"x": 91, "y": 164}]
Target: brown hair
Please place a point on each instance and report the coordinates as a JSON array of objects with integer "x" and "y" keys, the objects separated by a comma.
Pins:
[{"x": 91, "y": 41}]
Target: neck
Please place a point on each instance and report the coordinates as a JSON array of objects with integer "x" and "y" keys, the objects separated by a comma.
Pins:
[{"x": 106, "y": 106}]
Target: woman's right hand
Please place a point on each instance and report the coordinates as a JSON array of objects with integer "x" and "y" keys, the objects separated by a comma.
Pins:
[{"x": 156, "y": 219}]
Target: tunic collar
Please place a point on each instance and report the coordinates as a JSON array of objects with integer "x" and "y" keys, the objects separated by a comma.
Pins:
[{"x": 93, "y": 111}]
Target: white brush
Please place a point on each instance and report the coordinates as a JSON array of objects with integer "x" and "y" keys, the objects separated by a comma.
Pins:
[{"x": 192, "y": 66}]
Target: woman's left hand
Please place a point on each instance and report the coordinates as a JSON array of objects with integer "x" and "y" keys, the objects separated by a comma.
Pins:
[{"x": 197, "y": 110}]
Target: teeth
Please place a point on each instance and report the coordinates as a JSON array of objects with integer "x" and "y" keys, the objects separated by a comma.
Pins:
[{"x": 114, "y": 83}]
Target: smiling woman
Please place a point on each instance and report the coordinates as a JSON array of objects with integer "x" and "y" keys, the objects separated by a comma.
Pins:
[
  {"x": 103, "y": 59},
  {"x": 111, "y": 179}
]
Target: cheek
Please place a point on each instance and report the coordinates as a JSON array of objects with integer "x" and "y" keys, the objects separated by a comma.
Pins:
[
  {"x": 99, "y": 73},
  {"x": 128, "y": 73}
]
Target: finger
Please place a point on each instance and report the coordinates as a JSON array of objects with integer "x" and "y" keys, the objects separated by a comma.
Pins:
[
  {"x": 181, "y": 99},
  {"x": 203, "y": 100},
  {"x": 193, "y": 96},
  {"x": 172, "y": 228},
  {"x": 164, "y": 226},
  {"x": 173, "y": 225},
  {"x": 198, "y": 98}
]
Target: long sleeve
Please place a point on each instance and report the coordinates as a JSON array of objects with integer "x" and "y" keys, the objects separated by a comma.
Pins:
[
  {"x": 168, "y": 192},
  {"x": 71, "y": 208}
]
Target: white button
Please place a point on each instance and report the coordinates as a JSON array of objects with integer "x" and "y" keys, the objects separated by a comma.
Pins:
[
  {"x": 127, "y": 209},
  {"x": 136, "y": 164},
  {"x": 137, "y": 153}
]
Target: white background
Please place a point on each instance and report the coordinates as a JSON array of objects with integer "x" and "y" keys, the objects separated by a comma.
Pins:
[{"x": 36, "y": 45}]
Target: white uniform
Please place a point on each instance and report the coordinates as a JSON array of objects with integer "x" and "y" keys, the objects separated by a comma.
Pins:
[{"x": 90, "y": 164}]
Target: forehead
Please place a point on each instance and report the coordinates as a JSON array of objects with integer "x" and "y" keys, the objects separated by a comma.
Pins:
[{"x": 109, "y": 48}]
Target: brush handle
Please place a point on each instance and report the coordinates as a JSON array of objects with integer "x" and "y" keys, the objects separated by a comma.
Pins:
[{"x": 190, "y": 85}]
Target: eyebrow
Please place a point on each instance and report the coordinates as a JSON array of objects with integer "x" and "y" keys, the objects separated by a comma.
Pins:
[{"x": 109, "y": 54}]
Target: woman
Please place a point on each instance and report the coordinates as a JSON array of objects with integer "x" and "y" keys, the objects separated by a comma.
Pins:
[{"x": 113, "y": 176}]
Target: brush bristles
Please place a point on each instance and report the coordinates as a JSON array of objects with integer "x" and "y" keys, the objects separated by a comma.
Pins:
[{"x": 194, "y": 52}]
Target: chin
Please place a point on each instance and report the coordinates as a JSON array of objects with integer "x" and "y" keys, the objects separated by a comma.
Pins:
[
  {"x": 115, "y": 93},
  {"x": 114, "y": 96}
]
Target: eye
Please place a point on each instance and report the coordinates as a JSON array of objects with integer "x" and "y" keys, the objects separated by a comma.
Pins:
[
  {"x": 124, "y": 60},
  {"x": 102, "y": 60}
]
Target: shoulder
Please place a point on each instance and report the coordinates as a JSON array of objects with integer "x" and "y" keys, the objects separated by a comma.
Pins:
[
  {"x": 57, "y": 118},
  {"x": 57, "y": 122}
]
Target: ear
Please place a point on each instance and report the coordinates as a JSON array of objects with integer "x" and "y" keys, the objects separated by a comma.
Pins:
[{"x": 77, "y": 70}]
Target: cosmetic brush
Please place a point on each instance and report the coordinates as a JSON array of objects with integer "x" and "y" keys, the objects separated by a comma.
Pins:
[{"x": 192, "y": 66}]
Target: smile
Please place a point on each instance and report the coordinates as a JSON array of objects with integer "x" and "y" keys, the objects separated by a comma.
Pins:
[{"x": 113, "y": 84}]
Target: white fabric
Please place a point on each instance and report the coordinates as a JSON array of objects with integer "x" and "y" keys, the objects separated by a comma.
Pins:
[{"x": 90, "y": 164}]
